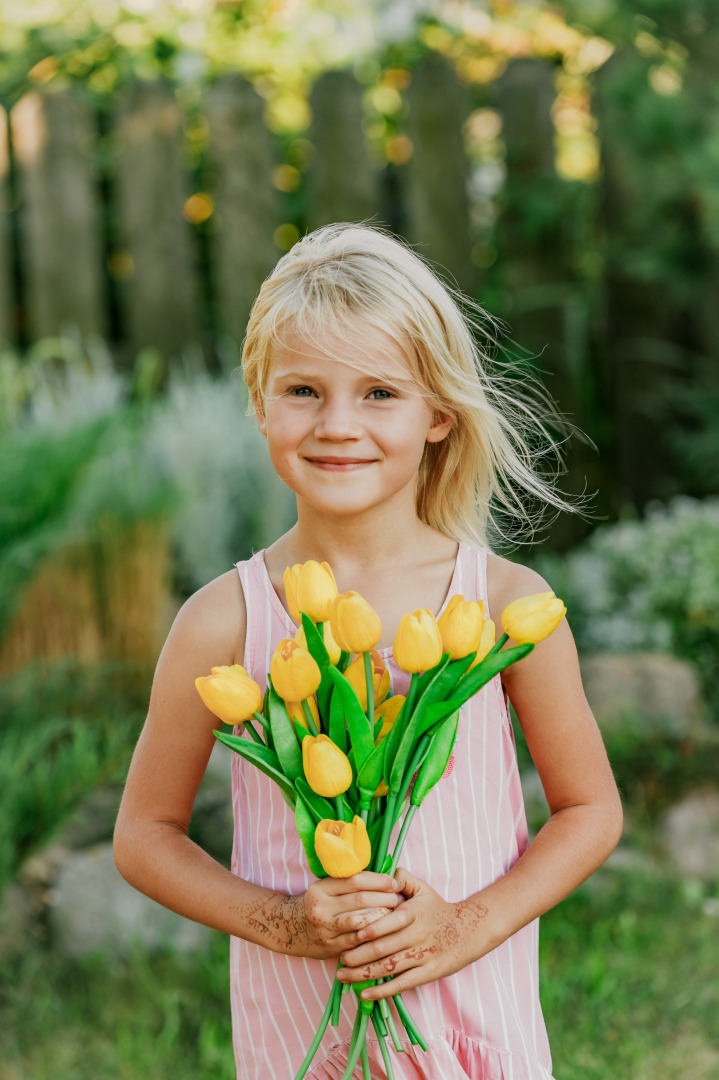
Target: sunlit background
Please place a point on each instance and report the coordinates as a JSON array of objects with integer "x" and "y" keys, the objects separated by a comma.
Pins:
[{"x": 557, "y": 162}]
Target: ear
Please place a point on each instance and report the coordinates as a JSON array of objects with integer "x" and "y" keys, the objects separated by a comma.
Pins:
[
  {"x": 258, "y": 406},
  {"x": 442, "y": 424}
]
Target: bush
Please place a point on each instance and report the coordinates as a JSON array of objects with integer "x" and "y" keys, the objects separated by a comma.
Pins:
[{"x": 650, "y": 584}]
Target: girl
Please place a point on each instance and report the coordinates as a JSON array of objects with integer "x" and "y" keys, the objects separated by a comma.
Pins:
[{"x": 401, "y": 451}]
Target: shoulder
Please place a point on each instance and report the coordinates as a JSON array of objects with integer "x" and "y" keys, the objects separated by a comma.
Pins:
[
  {"x": 211, "y": 624},
  {"x": 508, "y": 581}
]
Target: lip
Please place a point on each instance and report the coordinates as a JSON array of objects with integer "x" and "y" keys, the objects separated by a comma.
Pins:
[{"x": 338, "y": 464}]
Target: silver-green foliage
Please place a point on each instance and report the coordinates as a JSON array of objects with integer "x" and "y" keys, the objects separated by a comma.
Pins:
[{"x": 648, "y": 584}]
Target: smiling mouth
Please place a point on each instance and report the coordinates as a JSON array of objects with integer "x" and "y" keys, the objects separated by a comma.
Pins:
[{"x": 339, "y": 463}]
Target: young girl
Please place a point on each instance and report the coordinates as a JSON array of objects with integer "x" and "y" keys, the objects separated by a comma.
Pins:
[{"x": 401, "y": 450}]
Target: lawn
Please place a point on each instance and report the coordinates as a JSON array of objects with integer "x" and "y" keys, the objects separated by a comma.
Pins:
[{"x": 629, "y": 987}]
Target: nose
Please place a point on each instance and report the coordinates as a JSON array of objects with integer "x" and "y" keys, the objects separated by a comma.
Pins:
[{"x": 337, "y": 421}]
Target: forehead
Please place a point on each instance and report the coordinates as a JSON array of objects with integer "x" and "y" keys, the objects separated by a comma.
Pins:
[{"x": 359, "y": 346}]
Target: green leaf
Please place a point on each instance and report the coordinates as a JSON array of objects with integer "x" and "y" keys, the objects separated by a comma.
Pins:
[
  {"x": 266, "y": 714},
  {"x": 486, "y": 669},
  {"x": 337, "y": 726},
  {"x": 318, "y": 650},
  {"x": 370, "y": 774},
  {"x": 265, "y": 759},
  {"x": 283, "y": 735},
  {"x": 359, "y": 729},
  {"x": 437, "y": 758},
  {"x": 407, "y": 739},
  {"x": 305, "y": 825},
  {"x": 318, "y": 806}
]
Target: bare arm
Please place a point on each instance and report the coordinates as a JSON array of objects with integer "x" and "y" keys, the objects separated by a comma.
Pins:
[
  {"x": 152, "y": 849},
  {"x": 428, "y": 938}
]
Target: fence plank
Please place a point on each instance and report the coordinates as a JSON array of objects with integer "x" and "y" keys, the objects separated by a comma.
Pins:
[
  {"x": 53, "y": 139},
  {"x": 342, "y": 182},
  {"x": 6, "y": 291},
  {"x": 436, "y": 174},
  {"x": 159, "y": 293},
  {"x": 240, "y": 157}
]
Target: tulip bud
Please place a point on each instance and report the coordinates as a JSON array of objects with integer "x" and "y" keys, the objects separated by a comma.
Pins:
[
  {"x": 460, "y": 626},
  {"x": 356, "y": 626},
  {"x": 290, "y": 579},
  {"x": 418, "y": 644},
  {"x": 388, "y": 712},
  {"x": 327, "y": 768},
  {"x": 355, "y": 676},
  {"x": 343, "y": 847},
  {"x": 230, "y": 693},
  {"x": 316, "y": 589},
  {"x": 486, "y": 642},
  {"x": 333, "y": 650},
  {"x": 533, "y": 618},
  {"x": 295, "y": 674},
  {"x": 297, "y": 715}
]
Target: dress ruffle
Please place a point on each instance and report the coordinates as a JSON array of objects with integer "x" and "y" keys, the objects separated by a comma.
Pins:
[{"x": 452, "y": 1055}]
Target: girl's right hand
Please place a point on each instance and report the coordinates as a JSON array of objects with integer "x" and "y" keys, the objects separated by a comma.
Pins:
[{"x": 325, "y": 920}]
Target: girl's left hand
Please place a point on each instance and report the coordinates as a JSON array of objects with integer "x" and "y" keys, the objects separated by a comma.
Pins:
[{"x": 423, "y": 939}]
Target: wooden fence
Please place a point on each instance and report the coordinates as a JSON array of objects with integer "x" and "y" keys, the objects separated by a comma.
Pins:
[{"x": 102, "y": 245}]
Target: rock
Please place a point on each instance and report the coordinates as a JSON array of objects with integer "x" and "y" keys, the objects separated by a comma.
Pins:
[
  {"x": 92, "y": 908},
  {"x": 16, "y": 921},
  {"x": 654, "y": 691},
  {"x": 690, "y": 834}
]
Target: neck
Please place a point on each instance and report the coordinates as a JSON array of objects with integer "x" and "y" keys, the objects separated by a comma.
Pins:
[{"x": 379, "y": 538}]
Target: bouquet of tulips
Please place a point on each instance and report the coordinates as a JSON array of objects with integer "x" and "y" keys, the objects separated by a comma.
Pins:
[{"x": 351, "y": 761}]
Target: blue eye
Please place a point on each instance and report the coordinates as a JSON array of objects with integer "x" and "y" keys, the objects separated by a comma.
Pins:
[
  {"x": 380, "y": 394},
  {"x": 301, "y": 391}
]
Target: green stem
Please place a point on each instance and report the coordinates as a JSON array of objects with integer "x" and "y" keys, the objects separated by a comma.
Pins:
[
  {"x": 417, "y": 759},
  {"x": 366, "y": 1074},
  {"x": 401, "y": 838},
  {"x": 337, "y": 999},
  {"x": 343, "y": 661},
  {"x": 370, "y": 690},
  {"x": 262, "y": 719},
  {"x": 335, "y": 992},
  {"x": 309, "y": 717},
  {"x": 253, "y": 733},
  {"x": 340, "y": 806},
  {"x": 383, "y": 1048},
  {"x": 411, "y": 696},
  {"x": 387, "y": 824},
  {"x": 392, "y": 1028},
  {"x": 359, "y": 1034},
  {"x": 415, "y": 1035},
  {"x": 498, "y": 645}
]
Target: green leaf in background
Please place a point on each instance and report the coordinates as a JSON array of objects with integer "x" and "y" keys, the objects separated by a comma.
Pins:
[
  {"x": 305, "y": 825},
  {"x": 265, "y": 760}
]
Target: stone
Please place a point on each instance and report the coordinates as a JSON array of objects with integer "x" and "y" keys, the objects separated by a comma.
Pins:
[
  {"x": 690, "y": 834},
  {"x": 93, "y": 909},
  {"x": 653, "y": 691}
]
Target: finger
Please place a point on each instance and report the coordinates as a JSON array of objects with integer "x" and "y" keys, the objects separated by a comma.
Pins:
[
  {"x": 395, "y": 940},
  {"x": 365, "y": 881},
  {"x": 357, "y": 921},
  {"x": 407, "y": 883},
  {"x": 391, "y": 965}
]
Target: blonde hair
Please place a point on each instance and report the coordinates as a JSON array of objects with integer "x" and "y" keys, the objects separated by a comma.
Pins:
[{"x": 483, "y": 482}]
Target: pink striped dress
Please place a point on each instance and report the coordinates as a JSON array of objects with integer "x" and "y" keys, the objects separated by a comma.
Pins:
[{"x": 485, "y": 1022}]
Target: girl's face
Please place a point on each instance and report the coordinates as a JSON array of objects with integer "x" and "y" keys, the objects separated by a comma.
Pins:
[{"x": 347, "y": 424}]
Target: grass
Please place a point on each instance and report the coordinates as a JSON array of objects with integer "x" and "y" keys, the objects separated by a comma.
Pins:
[{"x": 629, "y": 990}]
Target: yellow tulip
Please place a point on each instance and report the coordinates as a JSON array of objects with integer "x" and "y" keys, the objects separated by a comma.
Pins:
[
  {"x": 355, "y": 676},
  {"x": 418, "y": 644},
  {"x": 331, "y": 645},
  {"x": 533, "y": 618},
  {"x": 327, "y": 769},
  {"x": 343, "y": 847},
  {"x": 297, "y": 715},
  {"x": 382, "y": 789},
  {"x": 290, "y": 579},
  {"x": 460, "y": 626},
  {"x": 356, "y": 626},
  {"x": 388, "y": 712},
  {"x": 295, "y": 674},
  {"x": 486, "y": 642},
  {"x": 230, "y": 693}
]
